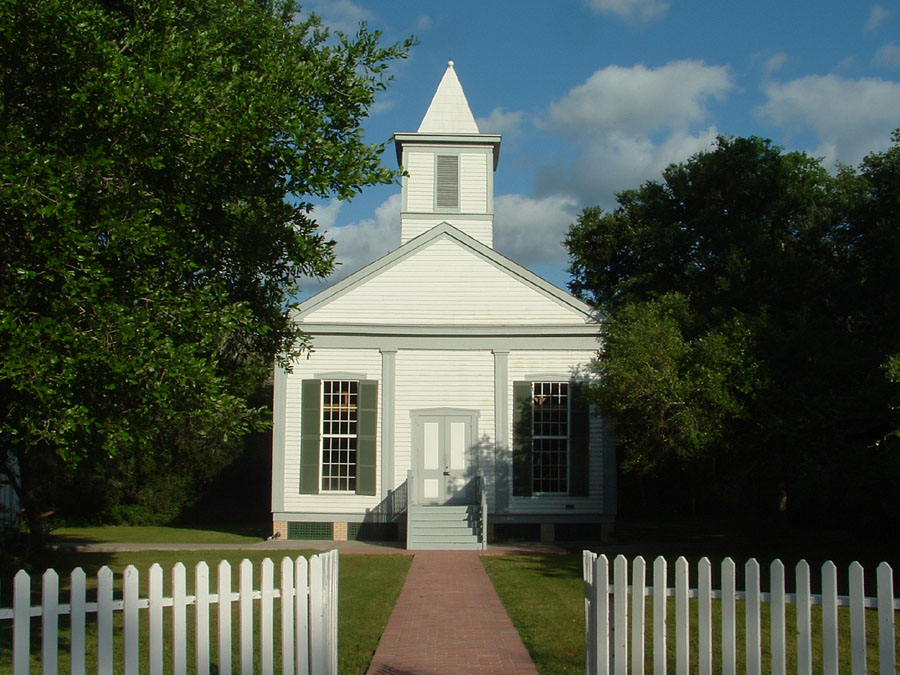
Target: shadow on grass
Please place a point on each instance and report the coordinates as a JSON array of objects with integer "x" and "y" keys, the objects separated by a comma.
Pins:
[{"x": 739, "y": 540}]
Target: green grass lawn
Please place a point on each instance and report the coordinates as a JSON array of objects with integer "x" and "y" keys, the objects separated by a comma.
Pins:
[
  {"x": 368, "y": 589},
  {"x": 128, "y": 534}
]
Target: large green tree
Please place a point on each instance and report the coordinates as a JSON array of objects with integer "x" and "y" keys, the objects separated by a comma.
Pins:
[
  {"x": 751, "y": 305},
  {"x": 157, "y": 159}
]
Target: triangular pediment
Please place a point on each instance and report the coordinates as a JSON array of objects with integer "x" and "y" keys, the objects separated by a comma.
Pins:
[{"x": 445, "y": 278}]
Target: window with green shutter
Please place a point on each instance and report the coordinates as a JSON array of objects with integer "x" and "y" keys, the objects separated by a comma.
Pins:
[
  {"x": 551, "y": 438},
  {"x": 337, "y": 439}
]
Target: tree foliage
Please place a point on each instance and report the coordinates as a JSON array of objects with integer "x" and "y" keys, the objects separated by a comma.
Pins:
[
  {"x": 752, "y": 312},
  {"x": 157, "y": 161}
]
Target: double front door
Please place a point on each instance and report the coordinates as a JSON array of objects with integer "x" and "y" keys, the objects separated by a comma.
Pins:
[{"x": 442, "y": 445}]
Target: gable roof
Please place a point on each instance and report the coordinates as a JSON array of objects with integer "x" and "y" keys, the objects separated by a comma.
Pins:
[
  {"x": 388, "y": 286},
  {"x": 449, "y": 112}
]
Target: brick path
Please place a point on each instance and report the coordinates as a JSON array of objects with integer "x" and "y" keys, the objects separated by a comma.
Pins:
[{"x": 448, "y": 621}]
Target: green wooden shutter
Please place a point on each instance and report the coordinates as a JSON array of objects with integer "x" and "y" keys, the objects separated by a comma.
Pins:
[
  {"x": 522, "y": 431},
  {"x": 365, "y": 444},
  {"x": 310, "y": 445},
  {"x": 579, "y": 440}
]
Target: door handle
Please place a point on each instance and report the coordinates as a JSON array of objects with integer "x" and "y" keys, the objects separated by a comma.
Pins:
[{"x": 446, "y": 473}]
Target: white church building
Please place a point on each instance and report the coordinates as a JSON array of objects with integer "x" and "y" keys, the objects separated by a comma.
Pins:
[{"x": 442, "y": 403}]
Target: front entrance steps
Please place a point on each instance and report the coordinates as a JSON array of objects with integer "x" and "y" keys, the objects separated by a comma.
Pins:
[{"x": 448, "y": 528}]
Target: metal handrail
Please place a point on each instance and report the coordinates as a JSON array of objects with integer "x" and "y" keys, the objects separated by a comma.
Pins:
[{"x": 481, "y": 494}]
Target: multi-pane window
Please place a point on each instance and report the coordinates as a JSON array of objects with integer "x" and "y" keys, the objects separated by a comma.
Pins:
[
  {"x": 550, "y": 437},
  {"x": 340, "y": 415}
]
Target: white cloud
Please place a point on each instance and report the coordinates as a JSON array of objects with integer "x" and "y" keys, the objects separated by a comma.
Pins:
[
  {"x": 877, "y": 15},
  {"x": 342, "y": 15},
  {"x": 500, "y": 122},
  {"x": 639, "y": 100},
  {"x": 424, "y": 22},
  {"x": 774, "y": 64},
  {"x": 326, "y": 214},
  {"x": 888, "y": 55},
  {"x": 850, "y": 117},
  {"x": 530, "y": 230},
  {"x": 630, "y": 9},
  {"x": 630, "y": 123}
]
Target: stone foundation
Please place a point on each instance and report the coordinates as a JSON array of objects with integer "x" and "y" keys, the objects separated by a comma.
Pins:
[
  {"x": 279, "y": 528},
  {"x": 340, "y": 532}
]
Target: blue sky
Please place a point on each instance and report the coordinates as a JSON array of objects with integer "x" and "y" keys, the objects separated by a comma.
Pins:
[{"x": 595, "y": 96}]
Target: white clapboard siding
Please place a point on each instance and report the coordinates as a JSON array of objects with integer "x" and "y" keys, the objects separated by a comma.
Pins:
[
  {"x": 420, "y": 182},
  {"x": 362, "y": 363},
  {"x": 445, "y": 283},
  {"x": 308, "y": 609},
  {"x": 481, "y": 229},
  {"x": 607, "y": 636},
  {"x": 473, "y": 186}
]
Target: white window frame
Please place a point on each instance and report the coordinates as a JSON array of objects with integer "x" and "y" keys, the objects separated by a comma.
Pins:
[
  {"x": 323, "y": 436},
  {"x": 551, "y": 437}
]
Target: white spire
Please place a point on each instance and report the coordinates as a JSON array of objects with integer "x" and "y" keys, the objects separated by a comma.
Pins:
[{"x": 449, "y": 111}]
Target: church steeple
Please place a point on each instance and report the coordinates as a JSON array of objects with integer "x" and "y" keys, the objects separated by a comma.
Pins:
[{"x": 450, "y": 167}]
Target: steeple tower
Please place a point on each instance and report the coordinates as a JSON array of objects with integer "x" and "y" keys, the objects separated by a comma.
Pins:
[{"x": 450, "y": 167}]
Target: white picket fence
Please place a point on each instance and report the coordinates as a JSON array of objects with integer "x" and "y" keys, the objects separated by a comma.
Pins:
[
  {"x": 607, "y": 620},
  {"x": 308, "y": 610}
]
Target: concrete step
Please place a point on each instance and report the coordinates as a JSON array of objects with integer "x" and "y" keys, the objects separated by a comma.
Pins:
[
  {"x": 443, "y": 527},
  {"x": 443, "y": 546}
]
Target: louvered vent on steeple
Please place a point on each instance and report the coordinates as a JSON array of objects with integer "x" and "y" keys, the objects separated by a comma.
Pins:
[{"x": 447, "y": 193}]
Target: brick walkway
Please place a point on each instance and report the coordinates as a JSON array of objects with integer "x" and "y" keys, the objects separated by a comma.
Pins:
[{"x": 448, "y": 621}]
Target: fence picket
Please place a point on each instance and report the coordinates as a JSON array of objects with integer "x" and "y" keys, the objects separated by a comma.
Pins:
[
  {"x": 49, "y": 621},
  {"x": 21, "y": 622},
  {"x": 829, "y": 619},
  {"x": 104, "y": 620},
  {"x": 887, "y": 655},
  {"x": 729, "y": 601},
  {"x": 804, "y": 620},
  {"x": 590, "y": 623},
  {"x": 704, "y": 616},
  {"x": 155, "y": 596},
  {"x": 245, "y": 604},
  {"x": 857, "y": 620},
  {"x": 179, "y": 619},
  {"x": 752, "y": 621},
  {"x": 131, "y": 629},
  {"x": 620, "y": 623},
  {"x": 224, "y": 596},
  {"x": 332, "y": 601},
  {"x": 201, "y": 617},
  {"x": 682, "y": 618},
  {"x": 286, "y": 604},
  {"x": 777, "y": 644},
  {"x": 77, "y": 601},
  {"x": 638, "y": 593},
  {"x": 301, "y": 600},
  {"x": 266, "y": 636},
  {"x": 659, "y": 615},
  {"x": 602, "y": 613},
  {"x": 316, "y": 632}
]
